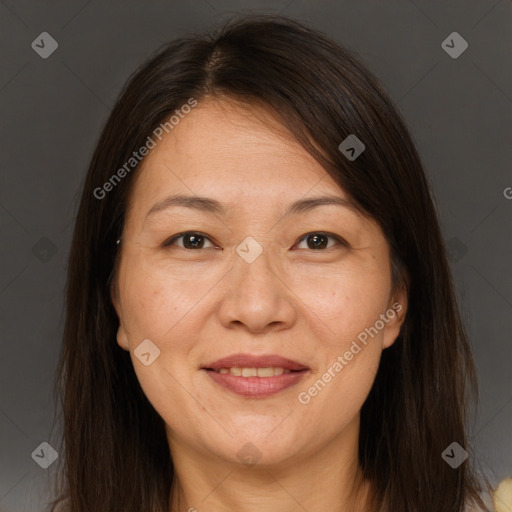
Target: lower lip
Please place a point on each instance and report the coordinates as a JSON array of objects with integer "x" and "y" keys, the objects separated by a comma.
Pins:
[{"x": 256, "y": 387}]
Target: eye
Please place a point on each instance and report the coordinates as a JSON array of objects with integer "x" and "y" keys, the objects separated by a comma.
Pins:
[
  {"x": 318, "y": 241},
  {"x": 196, "y": 240},
  {"x": 191, "y": 240}
]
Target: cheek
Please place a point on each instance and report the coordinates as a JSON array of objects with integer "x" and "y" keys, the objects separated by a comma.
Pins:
[
  {"x": 340, "y": 385},
  {"x": 335, "y": 401},
  {"x": 162, "y": 310},
  {"x": 347, "y": 301},
  {"x": 349, "y": 304},
  {"x": 157, "y": 300}
]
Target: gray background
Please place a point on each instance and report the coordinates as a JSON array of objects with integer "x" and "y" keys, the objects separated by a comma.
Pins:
[{"x": 52, "y": 110}]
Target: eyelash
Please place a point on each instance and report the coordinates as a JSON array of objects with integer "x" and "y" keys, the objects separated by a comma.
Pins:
[{"x": 338, "y": 239}]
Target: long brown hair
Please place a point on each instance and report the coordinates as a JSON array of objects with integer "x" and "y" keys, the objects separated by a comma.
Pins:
[{"x": 115, "y": 453}]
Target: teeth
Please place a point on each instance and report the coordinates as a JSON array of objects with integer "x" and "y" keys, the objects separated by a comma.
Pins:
[
  {"x": 266, "y": 372},
  {"x": 254, "y": 372}
]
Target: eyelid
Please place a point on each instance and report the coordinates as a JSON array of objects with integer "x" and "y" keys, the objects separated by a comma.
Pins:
[
  {"x": 340, "y": 241},
  {"x": 169, "y": 241}
]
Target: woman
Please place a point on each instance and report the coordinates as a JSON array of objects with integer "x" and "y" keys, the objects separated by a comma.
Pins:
[{"x": 260, "y": 313}]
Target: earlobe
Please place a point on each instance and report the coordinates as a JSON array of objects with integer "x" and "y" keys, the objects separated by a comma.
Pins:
[
  {"x": 122, "y": 338},
  {"x": 396, "y": 312}
]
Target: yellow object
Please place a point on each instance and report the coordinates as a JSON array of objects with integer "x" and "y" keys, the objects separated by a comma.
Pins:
[{"x": 502, "y": 496}]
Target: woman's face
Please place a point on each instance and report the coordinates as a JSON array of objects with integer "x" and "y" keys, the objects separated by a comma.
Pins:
[{"x": 253, "y": 275}]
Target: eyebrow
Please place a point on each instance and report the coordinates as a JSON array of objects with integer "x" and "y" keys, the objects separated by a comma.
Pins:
[{"x": 214, "y": 207}]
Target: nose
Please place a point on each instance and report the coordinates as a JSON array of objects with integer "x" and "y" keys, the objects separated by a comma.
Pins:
[{"x": 257, "y": 297}]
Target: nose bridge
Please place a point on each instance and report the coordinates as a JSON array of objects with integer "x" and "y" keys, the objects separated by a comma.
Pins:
[
  {"x": 256, "y": 265},
  {"x": 258, "y": 295}
]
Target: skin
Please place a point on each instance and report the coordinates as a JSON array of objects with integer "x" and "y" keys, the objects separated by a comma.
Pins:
[{"x": 198, "y": 305}]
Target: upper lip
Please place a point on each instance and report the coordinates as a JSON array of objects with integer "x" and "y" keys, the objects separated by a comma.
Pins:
[{"x": 249, "y": 361}]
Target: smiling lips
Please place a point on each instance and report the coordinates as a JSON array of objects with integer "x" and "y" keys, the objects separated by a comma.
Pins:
[{"x": 255, "y": 376}]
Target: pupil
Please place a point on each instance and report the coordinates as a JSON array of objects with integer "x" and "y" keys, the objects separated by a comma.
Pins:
[
  {"x": 319, "y": 241},
  {"x": 194, "y": 241}
]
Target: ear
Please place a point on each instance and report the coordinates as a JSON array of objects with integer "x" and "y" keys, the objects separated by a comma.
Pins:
[
  {"x": 395, "y": 316},
  {"x": 122, "y": 337}
]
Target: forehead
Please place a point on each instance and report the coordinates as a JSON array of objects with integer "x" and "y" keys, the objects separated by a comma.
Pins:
[{"x": 231, "y": 151}]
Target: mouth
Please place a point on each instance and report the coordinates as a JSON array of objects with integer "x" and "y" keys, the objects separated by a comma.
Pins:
[
  {"x": 255, "y": 376},
  {"x": 253, "y": 372}
]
